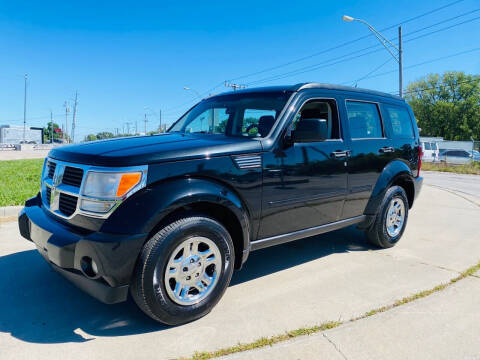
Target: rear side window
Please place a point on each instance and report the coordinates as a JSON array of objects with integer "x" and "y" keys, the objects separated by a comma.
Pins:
[
  {"x": 400, "y": 120},
  {"x": 427, "y": 146},
  {"x": 364, "y": 120}
]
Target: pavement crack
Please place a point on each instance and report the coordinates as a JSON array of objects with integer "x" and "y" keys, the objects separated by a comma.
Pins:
[
  {"x": 416, "y": 261},
  {"x": 335, "y": 346}
]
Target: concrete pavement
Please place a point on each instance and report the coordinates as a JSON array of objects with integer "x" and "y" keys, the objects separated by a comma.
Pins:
[
  {"x": 445, "y": 325},
  {"x": 466, "y": 185},
  {"x": 308, "y": 282}
]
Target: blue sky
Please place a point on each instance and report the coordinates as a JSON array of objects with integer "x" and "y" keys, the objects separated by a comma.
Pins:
[{"x": 122, "y": 57}]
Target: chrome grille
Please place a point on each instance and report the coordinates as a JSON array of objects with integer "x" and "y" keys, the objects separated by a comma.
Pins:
[
  {"x": 61, "y": 187},
  {"x": 48, "y": 192},
  {"x": 67, "y": 204},
  {"x": 51, "y": 169},
  {"x": 72, "y": 176}
]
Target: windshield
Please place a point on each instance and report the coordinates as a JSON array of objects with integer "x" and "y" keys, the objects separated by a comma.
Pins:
[{"x": 244, "y": 114}]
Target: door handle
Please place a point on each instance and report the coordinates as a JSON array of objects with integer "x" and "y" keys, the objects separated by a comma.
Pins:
[
  {"x": 386, "y": 149},
  {"x": 340, "y": 154}
]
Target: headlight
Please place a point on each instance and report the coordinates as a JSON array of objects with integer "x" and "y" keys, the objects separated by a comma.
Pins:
[{"x": 102, "y": 190}]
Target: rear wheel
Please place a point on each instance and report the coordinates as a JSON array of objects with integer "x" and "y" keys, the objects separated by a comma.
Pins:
[
  {"x": 183, "y": 270},
  {"x": 391, "y": 219}
]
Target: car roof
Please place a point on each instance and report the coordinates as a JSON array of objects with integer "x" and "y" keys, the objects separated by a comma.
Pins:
[{"x": 311, "y": 85}]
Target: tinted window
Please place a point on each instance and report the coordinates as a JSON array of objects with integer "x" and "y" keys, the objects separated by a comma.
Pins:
[
  {"x": 400, "y": 120},
  {"x": 321, "y": 109},
  {"x": 427, "y": 146},
  {"x": 253, "y": 119},
  {"x": 210, "y": 121},
  {"x": 364, "y": 120}
]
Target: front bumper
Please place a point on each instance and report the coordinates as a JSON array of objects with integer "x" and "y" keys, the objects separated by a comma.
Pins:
[{"x": 66, "y": 248}]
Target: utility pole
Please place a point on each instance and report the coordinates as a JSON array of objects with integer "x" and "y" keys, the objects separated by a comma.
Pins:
[
  {"x": 74, "y": 116},
  {"x": 128, "y": 128},
  {"x": 25, "y": 108},
  {"x": 51, "y": 127},
  {"x": 136, "y": 128},
  {"x": 160, "y": 118},
  {"x": 400, "y": 63},
  {"x": 235, "y": 87},
  {"x": 67, "y": 110},
  {"x": 145, "y": 120}
]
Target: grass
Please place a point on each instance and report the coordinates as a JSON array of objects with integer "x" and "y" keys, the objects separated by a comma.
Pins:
[
  {"x": 473, "y": 168},
  {"x": 19, "y": 180},
  {"x": 269, "y": 341}
]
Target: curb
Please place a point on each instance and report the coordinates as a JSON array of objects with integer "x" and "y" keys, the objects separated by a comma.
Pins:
[{"x": 10, "y": 211}]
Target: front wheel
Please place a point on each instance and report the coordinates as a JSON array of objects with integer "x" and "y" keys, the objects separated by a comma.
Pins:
[
  {"x": 391, "y": 219},
  {"x": 183, "y": 270}
]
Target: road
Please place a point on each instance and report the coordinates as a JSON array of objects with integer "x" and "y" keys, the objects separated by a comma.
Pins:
[
  {"x": 24, "y": 154},
  {"x": 304, "y": 283},
  {"x": 467, "y": 185}
]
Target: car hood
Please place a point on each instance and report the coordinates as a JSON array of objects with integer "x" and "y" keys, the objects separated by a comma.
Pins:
[{"x": 141, "y": 150}]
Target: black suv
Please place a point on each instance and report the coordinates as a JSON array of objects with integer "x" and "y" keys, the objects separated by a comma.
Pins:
[{"x": 170, "y": 216}]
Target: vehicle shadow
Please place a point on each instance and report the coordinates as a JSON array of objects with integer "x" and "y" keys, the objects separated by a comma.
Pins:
[
  {"x": 276, "y": 258},
  {"x": 38, "y": 305}
]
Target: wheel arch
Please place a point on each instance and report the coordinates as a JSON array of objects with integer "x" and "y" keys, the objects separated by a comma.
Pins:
[
  {"x": 188, "y": 196},
  {"x": 397, "y": 173}
]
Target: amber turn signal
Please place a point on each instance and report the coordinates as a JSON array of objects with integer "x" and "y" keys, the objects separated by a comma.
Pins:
[{"x": 127, "y": 182}]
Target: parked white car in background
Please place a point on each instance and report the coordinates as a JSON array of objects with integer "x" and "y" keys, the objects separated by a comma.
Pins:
[{"x": 430, "y": 151}]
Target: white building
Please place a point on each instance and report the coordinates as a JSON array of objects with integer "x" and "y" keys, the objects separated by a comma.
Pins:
[{"x": 11, "y": 134}]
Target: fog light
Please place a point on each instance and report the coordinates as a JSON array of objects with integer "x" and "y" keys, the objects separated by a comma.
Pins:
[
  {"x": 93, "y": 206},
  {"x": 89, "y": 267}
]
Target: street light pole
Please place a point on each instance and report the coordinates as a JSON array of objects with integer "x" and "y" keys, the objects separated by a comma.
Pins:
[
  {"x": 400, "y": 63},
  {"x": 387, "y": 44},
  {"x": 25, "y": 108}
]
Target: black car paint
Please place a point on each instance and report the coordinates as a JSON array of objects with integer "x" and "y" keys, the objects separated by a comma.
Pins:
[{"x": 299, "y": 181}]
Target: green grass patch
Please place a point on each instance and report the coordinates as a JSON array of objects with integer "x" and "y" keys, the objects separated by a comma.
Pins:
[
  {"x": 269, "y": 341},
  {"x": 19, "y": 180},
  {"x": 473, "y": 168}
]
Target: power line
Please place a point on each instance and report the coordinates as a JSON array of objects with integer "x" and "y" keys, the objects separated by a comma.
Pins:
[
  {"x": 347, "y": 57},
  {"x": 345, "y": 43},
  {"x": 182, "y": 105},
  {"x": 371, "y": 72},
  {"x": 420, "y": 64}
]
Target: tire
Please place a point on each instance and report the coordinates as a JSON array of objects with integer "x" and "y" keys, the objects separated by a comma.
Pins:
[
  {"x": 155, "y": 291},
  {"x": 382, "y": 233}
]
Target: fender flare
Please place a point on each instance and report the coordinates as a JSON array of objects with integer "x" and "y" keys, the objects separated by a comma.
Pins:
[
  {"x": 390, "y": 174},
  {"x": 148, "y": 208}
]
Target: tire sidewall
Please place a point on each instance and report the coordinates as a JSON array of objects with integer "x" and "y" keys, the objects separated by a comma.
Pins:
[
  {"x": 393, "y": 192},
  {"x": 157, "y": 298}
]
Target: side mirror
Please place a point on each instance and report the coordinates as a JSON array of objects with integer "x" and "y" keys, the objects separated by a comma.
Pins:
[{"x": 310, "y": 130}]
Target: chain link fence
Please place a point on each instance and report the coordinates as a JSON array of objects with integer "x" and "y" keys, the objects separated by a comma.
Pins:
[{"x": 450, "y": 152}]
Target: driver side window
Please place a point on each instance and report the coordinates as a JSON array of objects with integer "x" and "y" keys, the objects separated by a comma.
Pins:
[{"x": 321, "y": 109}]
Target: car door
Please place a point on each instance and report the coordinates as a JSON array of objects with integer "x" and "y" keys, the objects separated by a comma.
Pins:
[
  {"x": 370, "y": 149},
  {"x": 305, "y": 183}
]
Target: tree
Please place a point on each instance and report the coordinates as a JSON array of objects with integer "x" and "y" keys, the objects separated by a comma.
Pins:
[
  {"x": 447, "y": 105},
  {"x": 104, "y": 135},
  {"x": 91, "y": 137},
  {"x": 47, "y": 131}
]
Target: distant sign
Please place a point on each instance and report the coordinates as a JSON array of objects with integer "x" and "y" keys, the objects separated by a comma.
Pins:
[{"x": 14, "y": 135}]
